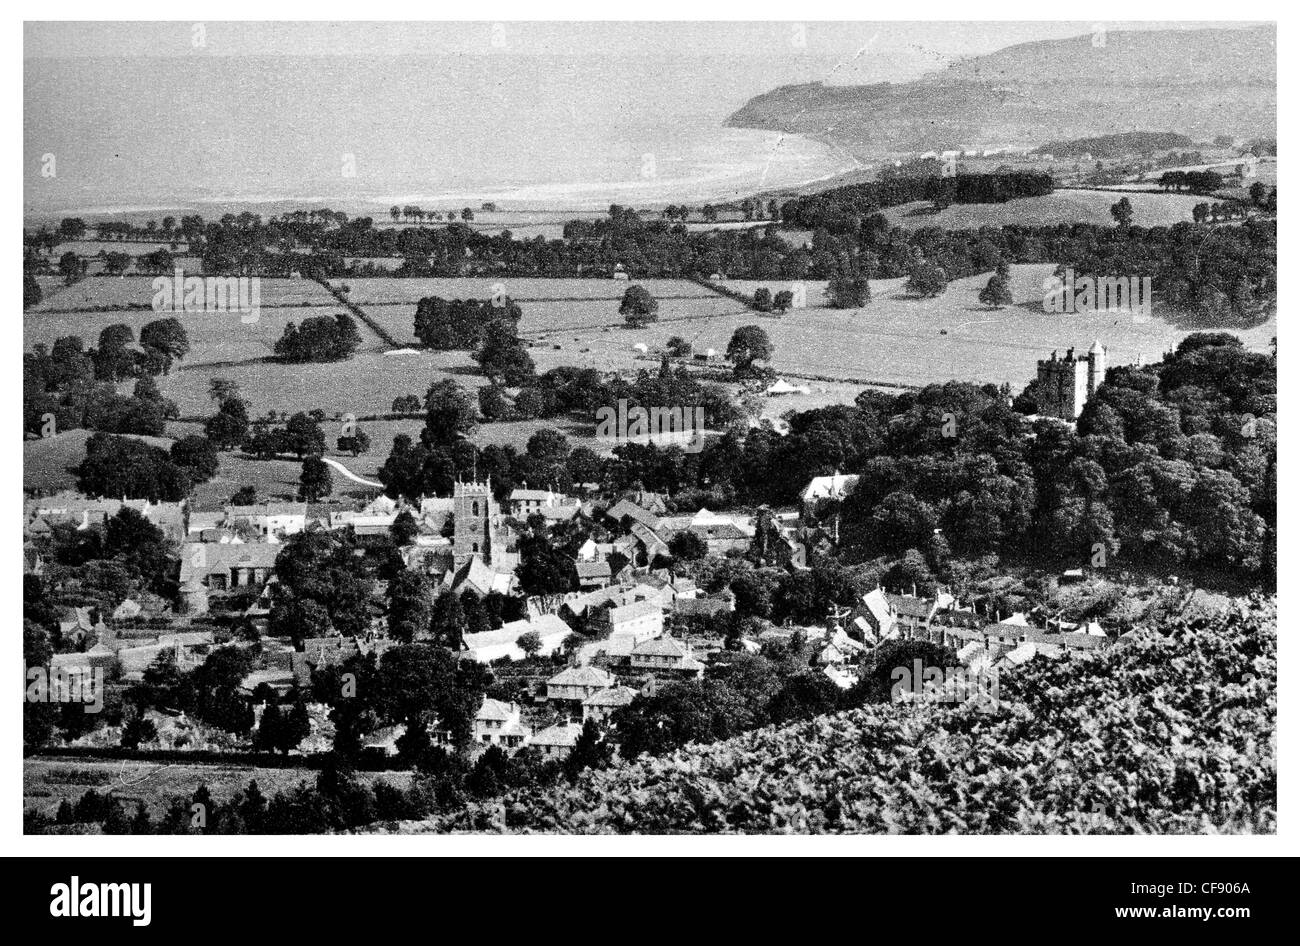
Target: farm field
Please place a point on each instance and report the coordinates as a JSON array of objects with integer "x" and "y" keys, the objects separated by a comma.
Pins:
[
  {"x": 111, "y": 292},
  {"x": 1064, "y": 206},
  {"x": 214, "y": 337},
  {"x": 365, "y": 384},
  {"x": 46, "y": 781},
  {"x": 379, "y": 291},
  {"x": 896, "y": 338}
]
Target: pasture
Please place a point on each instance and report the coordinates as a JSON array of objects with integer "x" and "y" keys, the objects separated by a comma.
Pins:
[
  {"x": 895, "y": 340},
  {"x": 47, "y": 781},
  {"x": 1063, "y": 206}
]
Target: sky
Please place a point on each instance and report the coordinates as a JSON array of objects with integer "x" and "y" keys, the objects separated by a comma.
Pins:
[{"x": 894, "y": 50}]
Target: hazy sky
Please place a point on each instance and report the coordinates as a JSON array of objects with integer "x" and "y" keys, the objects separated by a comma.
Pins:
[{"x": 895, "y": 50}]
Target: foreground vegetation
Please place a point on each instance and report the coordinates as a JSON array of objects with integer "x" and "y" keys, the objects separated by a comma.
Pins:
[{"x": 1171, "y": 731}]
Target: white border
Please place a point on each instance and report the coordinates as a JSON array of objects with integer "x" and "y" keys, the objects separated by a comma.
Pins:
[{"x": 1101, "y": 11}]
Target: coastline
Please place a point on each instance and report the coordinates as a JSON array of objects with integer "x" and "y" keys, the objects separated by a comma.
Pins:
[{"x": 774, "y": 161}]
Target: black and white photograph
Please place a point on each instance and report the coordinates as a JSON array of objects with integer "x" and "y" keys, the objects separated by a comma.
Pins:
[{"x": 443, "y": 431}]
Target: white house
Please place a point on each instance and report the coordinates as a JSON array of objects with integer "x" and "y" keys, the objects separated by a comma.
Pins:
[
  {"x": 273, "y": 521},
  {"x": 499, "y": 724},
  {"x": 504, "y": 642}
]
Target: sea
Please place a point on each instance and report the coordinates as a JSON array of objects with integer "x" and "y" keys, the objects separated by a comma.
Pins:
[{"x": 170, "y": 135}]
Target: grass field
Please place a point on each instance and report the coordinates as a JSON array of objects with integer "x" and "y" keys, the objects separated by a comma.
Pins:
[
  {"x": 110, "y": 291},
  {"x": 1064, "y": 206},
  {"x": 895, "y": 340},
  {"x": 48, "y": 781},
  {"x": 380, "y": 291}
]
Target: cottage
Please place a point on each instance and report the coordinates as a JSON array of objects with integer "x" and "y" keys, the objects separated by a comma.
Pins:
[
  {"x": 826, "y": 489},
  {"x": 222, "y": 567},
  {"x": 556, "y": 742},
  {"x": 576, "y": 684},
  {"x": 272, "y": 521},
  {"x": 499, "y": 724},
  {"x": 592, "y": 575},
  {"x": 601, "y": 704},
  {"x": 665, "y": 653}
]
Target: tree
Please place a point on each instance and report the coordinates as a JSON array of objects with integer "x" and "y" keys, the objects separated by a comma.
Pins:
[
  {"x": 1122, "y": 211},
  {"x": 31, "y": 291},
  {"x": 197, "y": 456},
  {"x": 503, "y": 357},
  {"x": 530, "y": 643},
  {"x": 448, "y": 412},
  {"x": 406, "y": 404},
  {"x": 409, "y": 606},
  {"x": 222, "y": 390},
  {"x": 686, "y": 546},
  {"x": 638, "y": 307},
  {"x": 749, "y": 344},
  {"x": 997, "y": 292},
  {"x": 229, "y": 426},
  {"x": 303, "y": 436},
  {"x": 357, "y": 442},
  {"x": 244, "y": 496},
  {"x": 404, "y": 529},
  {"x": 166, "y": 339},
  {"x": 762, "y": 299},
  {"x": 927, "y": 279},
  {"x": 679, "y": 347},
  {"x": 849, "y": 286},
  {"x": 298, "y": 619},
  {"x": 316, "y": 481}
]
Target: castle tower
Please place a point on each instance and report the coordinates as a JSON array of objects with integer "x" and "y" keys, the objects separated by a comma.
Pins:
[
  {"x": 1063, "y": 385},
  {"x": 476, "y": 520},
  {"x": 1096, "y": 368}
]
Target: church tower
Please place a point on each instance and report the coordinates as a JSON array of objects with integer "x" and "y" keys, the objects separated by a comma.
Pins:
[{"x": 477, "y": 521}]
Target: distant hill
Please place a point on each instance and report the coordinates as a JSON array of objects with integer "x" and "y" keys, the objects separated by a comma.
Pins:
[
  {"x": 1115, "y": 146},
  {"x": 1198, "y": 83}
]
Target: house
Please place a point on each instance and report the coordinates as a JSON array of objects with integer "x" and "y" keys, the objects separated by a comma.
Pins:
[
  {"x": 592, "y": 575},
  {"x": 272, "y": 521},
  {"x": 525, "y": 502},
  {"x": 83, "y": 513},
  {"x": 648, "y": 545},
  {"x": 625, "y": 512},
  {"x": 875, "y": 620},
  {"x": 576, "y": 684},
  {"x": 665, "y": 653},
  {"x": 223, "y": 567},
  {"x": 601, "y": 704},
  {"x": 556, "y": 742},
  {"x": 722, "y": 603},
  {"x": 498, "y": 724},
  {"x": 635, "y": 621},
  {"x": 504, "y": 642},
  {"x": 825, "y": 489}
]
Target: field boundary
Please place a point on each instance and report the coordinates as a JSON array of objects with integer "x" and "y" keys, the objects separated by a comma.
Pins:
[{"x": 361, "y": 314}]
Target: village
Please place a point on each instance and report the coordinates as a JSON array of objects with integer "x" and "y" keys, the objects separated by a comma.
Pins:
[{"x": 635, "y": 622}]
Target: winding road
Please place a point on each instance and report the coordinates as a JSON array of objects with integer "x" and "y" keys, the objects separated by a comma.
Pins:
[{"x": 335, "y": 464}]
